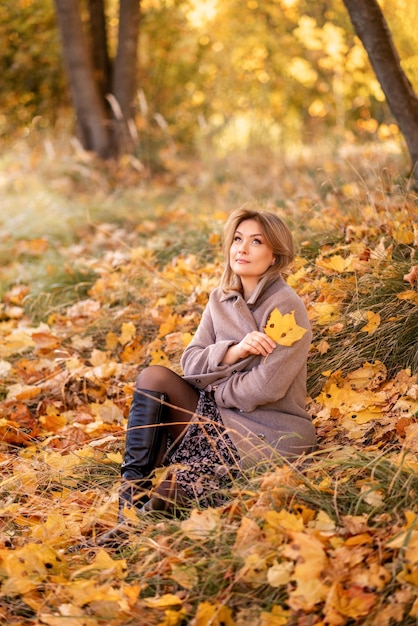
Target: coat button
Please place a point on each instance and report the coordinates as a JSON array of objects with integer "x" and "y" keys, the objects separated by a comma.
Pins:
[
  {"x": 261, "y": 436},
  {"x": 198, "y": 380},
  {"x": 234, "y": 371}
]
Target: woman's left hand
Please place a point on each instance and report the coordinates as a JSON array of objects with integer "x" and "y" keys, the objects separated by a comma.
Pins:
[
  {"x": 257, "y": 342},
  {"x": 254, "y": 342}
]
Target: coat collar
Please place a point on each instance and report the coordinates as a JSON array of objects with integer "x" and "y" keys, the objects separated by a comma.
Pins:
[{"x": 261, "y": 285}]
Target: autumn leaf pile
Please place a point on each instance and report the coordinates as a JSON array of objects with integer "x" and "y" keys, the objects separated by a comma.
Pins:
[{"x": 330, "y": 541}]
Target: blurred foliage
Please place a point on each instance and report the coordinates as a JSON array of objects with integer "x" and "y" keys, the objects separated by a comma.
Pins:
[
  {"x": 279, "y": 72},
  {"x": 33, "y": 82},
  {"x": 401, "y": 17}
]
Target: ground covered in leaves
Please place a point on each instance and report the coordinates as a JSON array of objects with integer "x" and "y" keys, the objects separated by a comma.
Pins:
[{"x": 105, "y": 272}]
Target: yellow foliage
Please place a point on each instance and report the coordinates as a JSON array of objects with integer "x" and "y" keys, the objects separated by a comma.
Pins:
[
  {"x": 26, "y": 568},
  {"x": 324, "y": 313},
  {"x": 282, "y": 548},
  {"x": 164, "y": 601},
  {"x": 213, "y": 614},
  {"x": 201, "y": 524},
  {"x": 373, "y": 322}
]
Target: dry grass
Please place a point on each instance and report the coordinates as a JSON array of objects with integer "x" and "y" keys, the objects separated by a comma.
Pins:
[{"x": 90, "y": 218}]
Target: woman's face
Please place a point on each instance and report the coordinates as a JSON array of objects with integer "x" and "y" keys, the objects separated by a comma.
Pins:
[{"x": 250, "y": 255}]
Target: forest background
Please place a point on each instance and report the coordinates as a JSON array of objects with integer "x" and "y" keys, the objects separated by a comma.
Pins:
[{"x": 106, "y": 266}]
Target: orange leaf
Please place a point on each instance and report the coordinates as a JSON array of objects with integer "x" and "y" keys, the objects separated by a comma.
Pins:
[{"x": 412, "y": 276}]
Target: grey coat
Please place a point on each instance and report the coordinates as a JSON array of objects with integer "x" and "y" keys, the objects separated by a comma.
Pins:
[{"x": 262, "y": 401}]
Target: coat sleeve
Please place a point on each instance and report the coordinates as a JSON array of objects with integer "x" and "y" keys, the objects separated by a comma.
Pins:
[
  {"x": 270, "y": 378},
  {"x": 204, "y": 354}
]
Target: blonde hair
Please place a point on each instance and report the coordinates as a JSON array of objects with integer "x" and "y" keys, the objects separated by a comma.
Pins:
[{"x": 277, "y": 235}]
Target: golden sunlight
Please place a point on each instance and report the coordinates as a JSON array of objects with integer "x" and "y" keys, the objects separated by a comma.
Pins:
[{"x": 202, "y": 12}]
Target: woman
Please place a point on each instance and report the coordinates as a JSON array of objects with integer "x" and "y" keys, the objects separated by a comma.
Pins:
[{"x": 242, "y": 397}]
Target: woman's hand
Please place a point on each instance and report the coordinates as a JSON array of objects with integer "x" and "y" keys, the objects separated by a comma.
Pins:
[{"x": 255, "y": 342}]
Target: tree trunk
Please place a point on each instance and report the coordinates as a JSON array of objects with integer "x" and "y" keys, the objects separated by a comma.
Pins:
[
  {"x": 125, "y": 72},
  {"x": 100, "y": 57},
  {"x": 372, "y": 29},
  {"x": 91, "y": 115}
]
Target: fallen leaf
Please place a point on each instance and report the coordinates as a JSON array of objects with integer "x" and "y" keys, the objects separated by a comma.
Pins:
[
  {"x": 309, "y": 556},
  {"x": 279, "y": 574},
  {"x": 162, "y": 602},
  {"x": 184, "y": 575},
  {"x": 373, "y": 322},
  {"x": 277, "y": 617},
  {"x": 103, "y": 563},
  {"x": 213, "y": 614},
  {"x": 412, "y": 276},
  {"x": 353, "y": 602},
  {"x": 128, "y": 333},
  {"x": 201, "y": 524}
]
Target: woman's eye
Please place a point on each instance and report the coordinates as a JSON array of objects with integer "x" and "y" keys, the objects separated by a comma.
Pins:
[
  {"x": 257, "y": 241},
  {"x": 237, "y": 239}
]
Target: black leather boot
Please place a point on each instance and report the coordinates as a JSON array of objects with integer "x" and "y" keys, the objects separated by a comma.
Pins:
[{"x": 146, "y": 441}]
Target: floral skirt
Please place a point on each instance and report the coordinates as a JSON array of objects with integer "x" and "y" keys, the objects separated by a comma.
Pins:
[{"x": 207, "y": 459}]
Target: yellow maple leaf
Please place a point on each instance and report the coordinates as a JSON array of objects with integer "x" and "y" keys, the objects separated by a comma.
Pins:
[
  {"x": 335, "y": 263},
  {"x": 128, "y": 332},
  {"x": 278, "y": 617},
  {"x": 280, "y": 574},
  {"x": 15, "y": 343},
  {"x": 373, "y": 322},
  {"x": 368, "y": 376},
  {"x": 173, "y": 617},
  {"x": 201, "y": 524},
  {"x": 184, "y": 575},
  {"x": 169, "y": 325},
  {"x": 27, "y": 567},
  {"x": 309, "y": 555},
  {"x": 409, "y": 295},
  {"x": 254, "y": 570},
  {"x": 214, "y": 614},
  {"x": 248, "y": 534},
  {"x": 283, "y": 329},
  {"x": 403, "y": 233},
  {"x": 353, "y": 601},
  {"x": 83, "y": 591},
  {"x": 112, "y": 340},
  {"x": 283, "y": 520},
  {"x": 159, "y": 357},
  {"x": 324, "y": 313},
  {"x": 162, "y": 602},
  {"x": 307, "y": 594},
  {"x": 102, "y": 562}
]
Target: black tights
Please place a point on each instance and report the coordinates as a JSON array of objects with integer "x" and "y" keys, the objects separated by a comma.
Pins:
[{"x": 181, "y": 397}]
